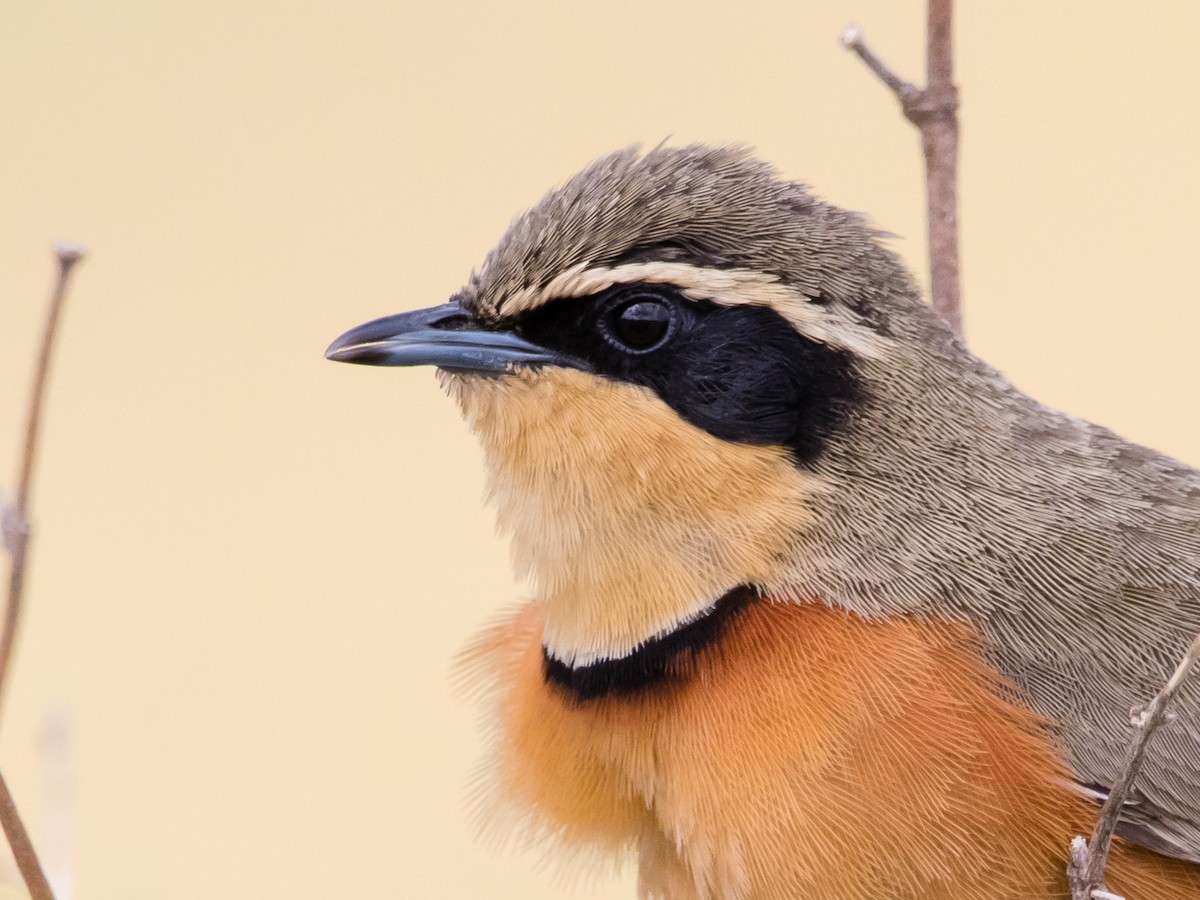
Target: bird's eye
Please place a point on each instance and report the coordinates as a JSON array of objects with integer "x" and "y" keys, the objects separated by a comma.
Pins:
[{"x": 641, "y": 324}]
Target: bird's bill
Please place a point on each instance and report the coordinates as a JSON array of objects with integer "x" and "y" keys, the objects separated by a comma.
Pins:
[{"x": 446, "y": 336}]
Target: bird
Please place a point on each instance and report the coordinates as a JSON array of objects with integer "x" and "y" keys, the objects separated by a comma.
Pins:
[{"x": 820, "y": 604}]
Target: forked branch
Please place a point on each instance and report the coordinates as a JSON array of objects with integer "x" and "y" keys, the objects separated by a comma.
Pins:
[
  {"x": 1088, "y": 859},
  {"x": 933, "y": 109}
]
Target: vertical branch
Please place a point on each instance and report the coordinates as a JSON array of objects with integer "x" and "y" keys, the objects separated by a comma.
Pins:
[
  {"x": 22, "y": 847},
  {"x": 939, "y": 139},
  {"x": 934, "y": 110},
  {"x": 15, "y": 518}
]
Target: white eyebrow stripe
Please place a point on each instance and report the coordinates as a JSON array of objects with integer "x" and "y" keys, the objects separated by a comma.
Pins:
[{"x": 729, "y": 287}]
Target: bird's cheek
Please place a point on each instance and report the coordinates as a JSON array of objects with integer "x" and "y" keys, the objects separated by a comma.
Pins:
[
  {"x": 623, "y": 515},
  {"x": 503, "y": 409}
]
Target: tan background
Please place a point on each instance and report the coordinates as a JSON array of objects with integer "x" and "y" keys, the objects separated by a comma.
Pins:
[{"x": 253, "y": 567}]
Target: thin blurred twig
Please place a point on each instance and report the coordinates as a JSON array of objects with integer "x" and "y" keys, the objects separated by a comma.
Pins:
[
  {"x": 934, "y": 110},
  {"x": 22, "y": 847},
  {"x": 15, "y": 516},
  {"x": 14, "y": 527}
]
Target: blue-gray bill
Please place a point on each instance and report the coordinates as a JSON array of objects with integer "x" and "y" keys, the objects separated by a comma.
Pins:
[{"x": 446, "y": 336}]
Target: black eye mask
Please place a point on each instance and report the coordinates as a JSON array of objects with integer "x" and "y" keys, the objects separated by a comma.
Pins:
[{"x": 742, "y": 373}]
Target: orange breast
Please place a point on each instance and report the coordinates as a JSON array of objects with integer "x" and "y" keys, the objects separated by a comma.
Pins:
[{"x": 810, "y": 754}]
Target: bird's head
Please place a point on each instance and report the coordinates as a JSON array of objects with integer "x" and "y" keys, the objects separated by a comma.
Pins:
[{"x": 668, "y": 361}]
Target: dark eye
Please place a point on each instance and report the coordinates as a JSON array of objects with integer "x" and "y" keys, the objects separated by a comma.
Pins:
[{"x": 641, "y": 324}]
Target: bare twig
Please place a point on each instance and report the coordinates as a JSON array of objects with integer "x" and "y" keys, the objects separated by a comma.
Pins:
[
  {"x": 934, "y": 110},
  {"x": 1086, "y": 869},
  {"x": 15, "y": 516},
  {"x": 22, "y": 848},
  {"x": 854, "y": 39},
  {"x": 14, "y": 526}
]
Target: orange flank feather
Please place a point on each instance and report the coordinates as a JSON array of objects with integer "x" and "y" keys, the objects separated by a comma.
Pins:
[{"x": 809, "y": 753}]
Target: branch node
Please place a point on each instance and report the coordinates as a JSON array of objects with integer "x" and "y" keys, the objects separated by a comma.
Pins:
[
  {"x": 13, "y": 527},
  {"x": 928, "y": 105}
]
